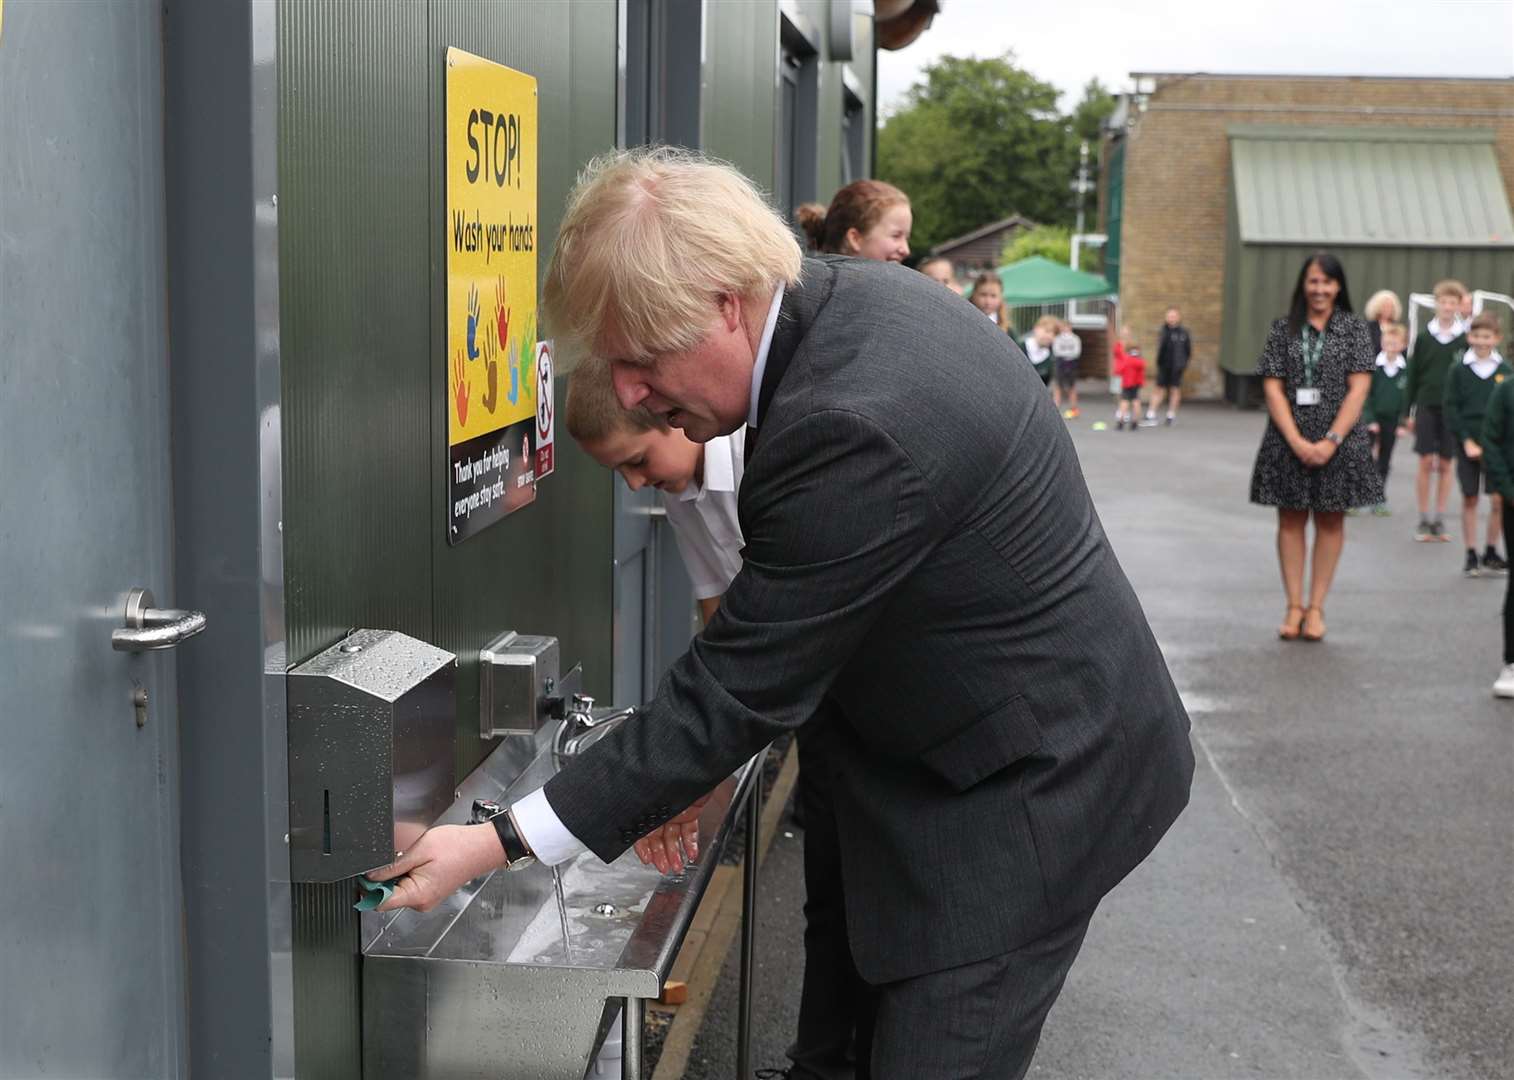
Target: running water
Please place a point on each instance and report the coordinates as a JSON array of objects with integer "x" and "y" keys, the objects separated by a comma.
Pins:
[{"x": 562, "y": 913}]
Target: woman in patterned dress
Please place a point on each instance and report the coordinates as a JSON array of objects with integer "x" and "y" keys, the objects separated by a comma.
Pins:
[{"x": 1316, "y": 456}]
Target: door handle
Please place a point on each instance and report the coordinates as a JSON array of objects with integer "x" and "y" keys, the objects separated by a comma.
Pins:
[{"x": 149, "y": 628}]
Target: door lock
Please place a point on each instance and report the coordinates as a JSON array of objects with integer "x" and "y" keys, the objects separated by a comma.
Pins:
[{"x": 149, "y": 628}]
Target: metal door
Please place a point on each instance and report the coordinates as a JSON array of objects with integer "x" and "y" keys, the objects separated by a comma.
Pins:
[
  {"x": 91, "y": 984},
  {"x": 655, "y": 616},
  {"x": 658, "y": 89}
]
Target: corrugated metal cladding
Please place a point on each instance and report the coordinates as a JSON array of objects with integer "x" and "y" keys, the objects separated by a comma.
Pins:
[
  {"x": 1259, "y": 281},
  {"x": 362, "y": 289},
  {"x": 1335, "y": 186}
]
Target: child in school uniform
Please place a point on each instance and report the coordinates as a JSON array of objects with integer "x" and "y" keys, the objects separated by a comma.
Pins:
[
  {"x": 988, "y": 297},
  {"x": 1067, "y": 347},
  {"x": 1037, "y": 346},
  {"x": 1474, "y": 374},
  {"x": 1430, "y": 358},
  {"x": 1497, "y": 443},
  {"x": 1387, "y": 401},
  {"x": 1130, "y": 368},
  {"x": 698, "y": 482}
]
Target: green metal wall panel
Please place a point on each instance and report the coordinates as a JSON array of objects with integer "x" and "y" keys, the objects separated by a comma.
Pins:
[
  {"x": 362, "y": 285},
  {"x": 1366, "y": 186},
  {"x": 363, "y": 278},
  {"x": 354, "y": 247},
  {"x": 544, "y": 569},
  {"x": 1114, "y": 210},
  {"x": 1260, "y": 277},
  {"x": 740, "y": 91},
  {"x": 354, "y": 254}
]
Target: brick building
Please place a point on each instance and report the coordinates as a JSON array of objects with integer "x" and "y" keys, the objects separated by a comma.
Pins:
[{"x": 1167, "y": 195}]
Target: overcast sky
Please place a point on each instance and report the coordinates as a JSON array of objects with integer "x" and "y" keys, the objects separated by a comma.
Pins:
[{"x": 1068, "y": 42}]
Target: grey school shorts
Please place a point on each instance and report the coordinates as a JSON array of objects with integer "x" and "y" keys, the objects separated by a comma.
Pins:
[
  {"x": 1431, "y": 435},
  {"x": 1471, "y": 475}
]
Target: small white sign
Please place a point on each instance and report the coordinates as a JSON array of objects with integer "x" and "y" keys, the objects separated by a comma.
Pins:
[{"x": 546, "y": 410}]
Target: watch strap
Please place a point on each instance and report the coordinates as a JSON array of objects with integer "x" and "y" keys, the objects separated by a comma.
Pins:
[{"x": 517, "y": 852}]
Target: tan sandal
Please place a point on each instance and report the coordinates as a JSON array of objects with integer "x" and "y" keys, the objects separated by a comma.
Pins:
[
  {"x": 1291, "y": 627},
  {"x": 1314, "y": 624}
]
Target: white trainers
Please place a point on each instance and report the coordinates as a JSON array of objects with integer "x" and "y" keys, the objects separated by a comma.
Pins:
[{"x": 1504, "y": 687}]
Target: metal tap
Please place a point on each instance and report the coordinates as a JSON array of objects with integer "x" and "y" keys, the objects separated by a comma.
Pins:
[
  {"x": 583, "y": 726},
  {"x": 485, "y": 810}
]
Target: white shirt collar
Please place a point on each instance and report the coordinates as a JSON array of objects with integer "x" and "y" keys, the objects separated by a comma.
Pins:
[
  {"x": 1394, "y": 366},
  {"x": 1445, "y": 337},
  {"x": 760, "y": 365},
  {"x": 1482, "y": 368},
  {"x": 719, "y": 468}
]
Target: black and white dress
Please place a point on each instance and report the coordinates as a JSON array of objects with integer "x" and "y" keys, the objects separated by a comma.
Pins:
[{"x": 1350, "y": 478}]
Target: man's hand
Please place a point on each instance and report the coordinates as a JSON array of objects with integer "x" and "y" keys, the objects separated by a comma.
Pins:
[
  {"x": 442, "y": 861},
  {"x": 670, "y": 846},
  {"x": 1472, "y": 449}
]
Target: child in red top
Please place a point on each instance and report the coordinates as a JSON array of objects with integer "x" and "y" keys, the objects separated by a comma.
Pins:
[{"x": 1130, "y": 366}]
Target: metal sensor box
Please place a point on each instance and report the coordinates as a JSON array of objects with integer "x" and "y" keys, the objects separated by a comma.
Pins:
[{"x": 516, "y": 675}]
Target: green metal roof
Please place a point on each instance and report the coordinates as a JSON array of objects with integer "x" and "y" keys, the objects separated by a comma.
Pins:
[
  {"x": 1368, "y": 186},
  {"x": 1037, "y": 280}
]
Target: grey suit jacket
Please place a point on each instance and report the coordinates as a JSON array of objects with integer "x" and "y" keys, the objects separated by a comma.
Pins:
[{"x": 922, "y": 552}]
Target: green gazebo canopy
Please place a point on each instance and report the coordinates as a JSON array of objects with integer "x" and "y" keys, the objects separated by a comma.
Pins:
[{"x": 1040, "y": 281}]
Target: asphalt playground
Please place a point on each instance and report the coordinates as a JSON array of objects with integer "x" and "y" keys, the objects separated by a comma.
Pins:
[{"x": 1338, "y": 899}]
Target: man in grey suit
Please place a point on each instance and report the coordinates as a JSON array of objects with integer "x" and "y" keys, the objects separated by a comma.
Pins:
[{"x": 923, "y": 558}]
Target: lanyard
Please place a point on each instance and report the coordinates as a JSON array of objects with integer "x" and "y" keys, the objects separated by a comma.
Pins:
[{"x": 1311, "y": 356}]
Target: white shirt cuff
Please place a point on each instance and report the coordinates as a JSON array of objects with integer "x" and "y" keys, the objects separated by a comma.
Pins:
[{"x": 543, "y": 831}]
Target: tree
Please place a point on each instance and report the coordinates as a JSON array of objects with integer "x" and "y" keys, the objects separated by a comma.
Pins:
[
  {"x": 1089, "y": 114},
  {"x": 1087, "y": 121},
  {"x": 976, "y": 141},
  {"x": 1052, "y": 242}
]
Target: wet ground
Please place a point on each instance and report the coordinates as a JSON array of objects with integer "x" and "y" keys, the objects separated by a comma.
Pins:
[{"x": 1338, "y": 901}]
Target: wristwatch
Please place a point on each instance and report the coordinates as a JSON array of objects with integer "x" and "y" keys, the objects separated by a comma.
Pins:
[
  {"x": 518, "y": 854},
  {"x": 1333, "y": 437}
]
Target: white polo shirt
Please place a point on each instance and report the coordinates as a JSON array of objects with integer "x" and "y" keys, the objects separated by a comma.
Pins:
[{"x": 703, "y": 516}]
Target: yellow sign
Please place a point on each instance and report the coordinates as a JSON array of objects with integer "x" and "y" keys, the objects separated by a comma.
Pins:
[{"x": 491, "y": 225}]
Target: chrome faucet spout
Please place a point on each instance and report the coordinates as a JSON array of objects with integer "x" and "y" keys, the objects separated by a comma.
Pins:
[{"x": 584, "y": 726}]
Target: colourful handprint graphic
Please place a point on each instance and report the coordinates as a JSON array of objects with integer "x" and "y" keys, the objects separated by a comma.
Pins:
[
  {"x": 460, "y": 374},
  {"x": 491, "y": 375},
  {"x": 473, "y": 322},
  {"x": 502, "y": 312}
]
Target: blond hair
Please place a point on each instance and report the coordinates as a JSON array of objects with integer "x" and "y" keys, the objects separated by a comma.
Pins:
[
  {"x": 650, "y": 240},
  {"x": 1048, "y": 322},
  {"x": 593, "y": 413},
  {"x": 1373, "y": 311},
  {"x": 1449, "y": 287},
  {"x": 1397, "y": 328}
]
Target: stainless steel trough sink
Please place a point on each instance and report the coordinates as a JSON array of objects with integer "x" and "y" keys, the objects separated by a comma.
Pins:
[{"x": 485, "y": 986}]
